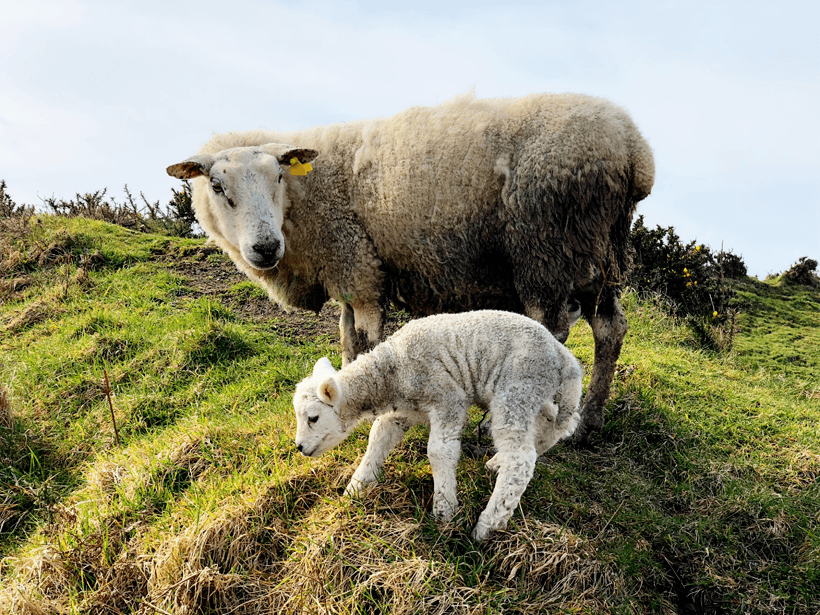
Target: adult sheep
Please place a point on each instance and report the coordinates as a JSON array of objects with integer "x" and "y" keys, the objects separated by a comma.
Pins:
[{"x": 522, "y": 205}]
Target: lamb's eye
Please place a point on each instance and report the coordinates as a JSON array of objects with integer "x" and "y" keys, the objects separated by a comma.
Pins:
[
  {"x": 279, "y": 181},
  {"x": 312, "y": 419},
  {"x": 217, "y": 186}
]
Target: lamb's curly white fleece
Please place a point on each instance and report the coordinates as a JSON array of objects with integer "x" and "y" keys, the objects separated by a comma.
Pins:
[{"x": 430, "y": 372}]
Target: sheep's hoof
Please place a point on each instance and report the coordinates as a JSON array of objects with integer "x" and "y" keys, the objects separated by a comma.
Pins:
[{"x": 592, "y": 421}]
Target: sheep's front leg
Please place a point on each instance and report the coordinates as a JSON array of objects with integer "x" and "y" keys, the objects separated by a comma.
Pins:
[
  {"x": 387, "y": 431},
  {"x": 515, "y": 469},
  {"x": 360, "y": 329},
  {"x": 444, "y": 450}
]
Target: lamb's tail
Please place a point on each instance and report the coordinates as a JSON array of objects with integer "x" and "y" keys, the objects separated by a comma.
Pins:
[{"x": 568, "y": 397}]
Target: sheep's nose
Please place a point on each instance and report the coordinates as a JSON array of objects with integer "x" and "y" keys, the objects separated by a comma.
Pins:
[
  {"x": 299, "y": 447},
  {"x": 269, "y": 252}
]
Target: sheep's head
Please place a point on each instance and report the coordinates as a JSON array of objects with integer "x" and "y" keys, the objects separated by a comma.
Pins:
[
  {"x": 245, "y": 197},
  {"x": 317, "y": 404}
]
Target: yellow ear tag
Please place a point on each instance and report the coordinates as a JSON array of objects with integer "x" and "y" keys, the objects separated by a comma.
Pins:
[{"x": 297, "y": 168}]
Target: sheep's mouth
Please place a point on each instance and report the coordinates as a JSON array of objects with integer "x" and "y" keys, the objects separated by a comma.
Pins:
[{"x": 263, "y": 264}]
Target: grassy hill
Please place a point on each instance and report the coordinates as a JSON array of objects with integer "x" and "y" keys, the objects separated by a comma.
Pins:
[{"x": 177, "y": 489}]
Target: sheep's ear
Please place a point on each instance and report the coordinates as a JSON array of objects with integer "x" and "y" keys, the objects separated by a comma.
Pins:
[
  {"x": 285, "y": 153},
  {"x": 301, "y": 154},
  {"x": 329, "y": 392},
  {"x": 323, "y": 368},
  {"x": 193, "y": 167}
]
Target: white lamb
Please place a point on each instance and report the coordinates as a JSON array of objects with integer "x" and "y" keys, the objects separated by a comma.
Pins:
[{"x": 430, "y": 372}]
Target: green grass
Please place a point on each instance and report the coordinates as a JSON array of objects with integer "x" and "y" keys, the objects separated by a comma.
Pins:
[{"x": 699, "y": 496}]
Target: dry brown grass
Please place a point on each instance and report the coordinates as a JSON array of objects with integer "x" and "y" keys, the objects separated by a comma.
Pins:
[
  {"x": 6, "y": 417},
  {"x": 33, "y": 314},
  {"x": 299, "y": 548}
]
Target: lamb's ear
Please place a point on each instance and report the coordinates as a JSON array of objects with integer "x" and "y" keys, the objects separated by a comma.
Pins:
[
  {"x": 193, "y": 167},
  {"x": 324, "y": 368},
  {"x": 284, "y": 153},
  {"x": 329, "y": 392}
]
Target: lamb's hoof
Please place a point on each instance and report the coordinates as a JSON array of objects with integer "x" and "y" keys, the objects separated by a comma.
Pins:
[
  {"x": 355, "y": 489},
  {"x": 444, "y": 510},
  {"x": 481, "y": 533},
  {"x": 493, "y": 464}
]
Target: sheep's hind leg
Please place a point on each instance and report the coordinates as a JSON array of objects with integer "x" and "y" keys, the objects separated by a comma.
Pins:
[
  {"x": 444, "y": 450},
  {"x": 387, "y": 431},
  {"x": 609, "y": 329}
]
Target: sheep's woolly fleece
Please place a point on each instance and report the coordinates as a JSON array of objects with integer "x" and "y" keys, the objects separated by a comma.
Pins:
[
  {"x": 430, "y": 372},
  {"x": 516, "y": 204}
]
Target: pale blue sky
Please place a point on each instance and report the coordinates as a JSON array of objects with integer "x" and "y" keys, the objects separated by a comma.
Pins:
[{"x": 96, "y": 94}]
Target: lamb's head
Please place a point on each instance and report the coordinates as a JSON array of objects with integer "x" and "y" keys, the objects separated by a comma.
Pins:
[
  {"x": 317, "y": 403},
  {"x": 245, "y": 199}
]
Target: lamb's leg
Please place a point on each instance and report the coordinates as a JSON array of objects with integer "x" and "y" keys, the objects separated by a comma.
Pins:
[
  {"x": 444, "y": 450},
  {"x": 515, "y": 470},
  {"x": 514, "y": 432},
  {"x": 550, "y": 427},
  {"x": 360, "y": 327},
  {"x": 609, "y": 329},
  {"x": 387, "y": 431}
]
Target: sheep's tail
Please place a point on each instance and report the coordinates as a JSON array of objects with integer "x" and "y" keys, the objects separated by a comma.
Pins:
[
  {"x": 568, "y": 397},
  {"x": 642, "y": 162}
]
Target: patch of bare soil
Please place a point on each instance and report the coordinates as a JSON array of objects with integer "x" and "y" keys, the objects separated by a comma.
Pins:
[{"x": 215, "y": 277}]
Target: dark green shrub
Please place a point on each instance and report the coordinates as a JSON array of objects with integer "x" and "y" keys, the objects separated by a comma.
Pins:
[
  {"x": 731, "y": 265},
  {"x": 802, "y": 272},
  {"x": 690, "y": 277},
  {"x": 181, "y": 211}
]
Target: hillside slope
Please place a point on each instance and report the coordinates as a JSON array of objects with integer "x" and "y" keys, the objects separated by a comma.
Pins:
[{"x": 700, "y": 496}]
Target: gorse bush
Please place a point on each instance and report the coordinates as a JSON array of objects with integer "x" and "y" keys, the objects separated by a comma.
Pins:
[
  {"x": 10, "y": 209},
  {"x": 181, "y": 211},
  {"x": 690, "y": 277},
  {"x": 176, "y": 218},
  {"x": 802, "y": 272}
]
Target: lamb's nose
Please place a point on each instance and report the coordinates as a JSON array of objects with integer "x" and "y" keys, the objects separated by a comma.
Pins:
[{"x": 299, "y": 447}]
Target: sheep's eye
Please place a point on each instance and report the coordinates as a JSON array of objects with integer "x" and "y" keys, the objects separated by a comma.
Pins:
[
  {"x": 217, "y": 186},
  {"x": 312, "y": 419}
]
